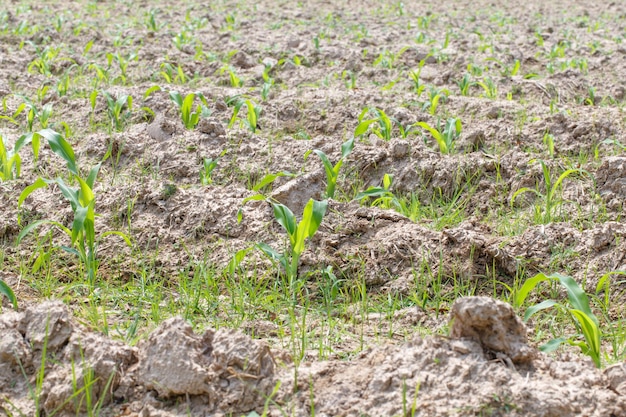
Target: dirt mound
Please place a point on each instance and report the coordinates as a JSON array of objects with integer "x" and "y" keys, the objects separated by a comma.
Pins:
[{"x": 49, "y": 364}]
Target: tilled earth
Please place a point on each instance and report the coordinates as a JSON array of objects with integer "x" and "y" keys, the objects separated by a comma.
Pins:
[{"x": 560, "y": 108}]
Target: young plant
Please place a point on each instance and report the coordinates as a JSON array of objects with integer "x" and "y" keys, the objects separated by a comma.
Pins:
[
  {"x": 445, "y": 135},
  {"x": 465, "y": 84},
  {"x": 82, "y": 201},
  {"x": 490, "y": 88},
  {"x": 332, "y": 171},
  {"x": 418, "y": 87},
  {"x": 208, "y": 165},
  {"x": 268, "y": 82},
  {"x": 253, "y": 112},
  {"x": 298, "y": 233},
  {"x": 349, "y": 78},
  {"x": 382, "y": 130},
  {"x": 10, "y": 161},
  {"x": 42, "y": 114},
  {"x": 434, "y": 97},
  {"x": 578, "y": 310},
  {"x": 189, "y": 117},
  {"x": 382, "y": 196},
  {"x": 544, "y": 213},
  {"x": 115, "y": 108}
]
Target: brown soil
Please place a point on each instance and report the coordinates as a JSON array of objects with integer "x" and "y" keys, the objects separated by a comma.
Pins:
[{"x": 152, "y": 183}]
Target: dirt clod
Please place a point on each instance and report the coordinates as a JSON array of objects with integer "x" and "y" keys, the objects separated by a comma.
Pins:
[{"x": 493, "y": 324}]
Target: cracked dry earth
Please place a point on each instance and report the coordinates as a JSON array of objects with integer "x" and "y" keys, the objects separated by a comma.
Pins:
[{"x": 570, "y": 84}]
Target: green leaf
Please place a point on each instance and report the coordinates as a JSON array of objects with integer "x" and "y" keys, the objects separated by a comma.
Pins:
[
  {"x": 270, "y": 178},
  {"x": 372, "y": 192},
  {"x": 39, "y": 183},
  {"x": 176, "y": 98},
  {"x": 38, "y": 223},
  {"x": 530, "y": 311},
  {"x": 8, "y": 292},
  {"x": 286, "y": 219},
  {"x": 61, "y": 147},
  {"x": 577, "y": 297},
  {"x": 552, "y": 345},
  {"x": 91, "y": 178},
  {"x": 151, "y": 90},
  {"x": 591, "y": 333},
  {"x": 347, "y": 147},
  {"x": 362, "y": 127},
  {"x": 527, "y": 287}
]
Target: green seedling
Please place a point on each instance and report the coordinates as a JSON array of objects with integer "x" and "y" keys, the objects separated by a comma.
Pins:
[
  {"x": 545, "y": 213},
  {"x": 45, "y": 58},
  {"x": 185, "y": 106},
  {"x": 382, "y": 196},
  {"x": 381, "y": 124},
  {"x": 32, "y": 112},
  {"x": 490, "y": 88},
  {"x": 172, "y": 76},
  {"x": 349, "y": 79},
  {"x": 182, "y": 39},
  {"x": 298, "y": 233},
  {"x": 465, "y": 84},
  {"x": 269, "y": 179},
  {"x": 82, "y": 201},
  {"x": 208, "y": 165},
  {"x": 253, "y": 112},
  {"x": 268, "y": 82},
  {"x": 418, "y": 87},
  {"x": 235, "y": 81},
  {"x": 548, "y": 140},
  {"x": 332, "y": 171},
  {"x": 8, "y": 292},
  {"x": 10, "y": 161},
  {"x": 118, "y": 109},
  {"x": 150, "y": 21},
  {"x": 122, "y": 62},
  {"x": 445, "y": 135},
  {"x": 577, "y": 308},
  {"x": 434, "y": 98}
]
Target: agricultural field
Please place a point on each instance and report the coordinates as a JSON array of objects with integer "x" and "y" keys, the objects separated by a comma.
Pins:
[{"x": 312, "y": 208}]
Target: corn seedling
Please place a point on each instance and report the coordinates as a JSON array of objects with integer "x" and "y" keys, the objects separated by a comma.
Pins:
[
  {"x": 578, "y": 309},
  {"x": 548, "y": 140},
  {"x": 150, "y": 21},
  {"x": 268, "y": 82},
  {"x": 33, "y": 113},
  {"x": 189, "y": 117},
  {"x": 332, "y": 171},
  {"x": 253, "y": 112},
  {"x": 349, "y": 79},
  {"x": 8, "y": 292},
  {"x": 234, "y": 80},
  {"x": 118, "y": 109},
  {"x": 45, "y": 57},
  {"x": 418, "y": 87},
  {"x": 382, "y": 196},
  {"x": 10, "y": 161},
  {"x": 122, "y": 62},
  {"x": 381, "y": 124},
  {"x": 544, "y": 214},
  {"x": 444, "y": 135},
  {"x": 182, "y": 39},
  {"x": 490, "y": 88},
  {"x": 298, "y": 233},
  {"x": 465, "y": 84},
  {"x": 208, "y": 165},
  {"x": 269, "y": 179},
  {"x": 172, "y": 76},
  {"x": 82, "y": 201},
  {"x": 434, "y": 97}
]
